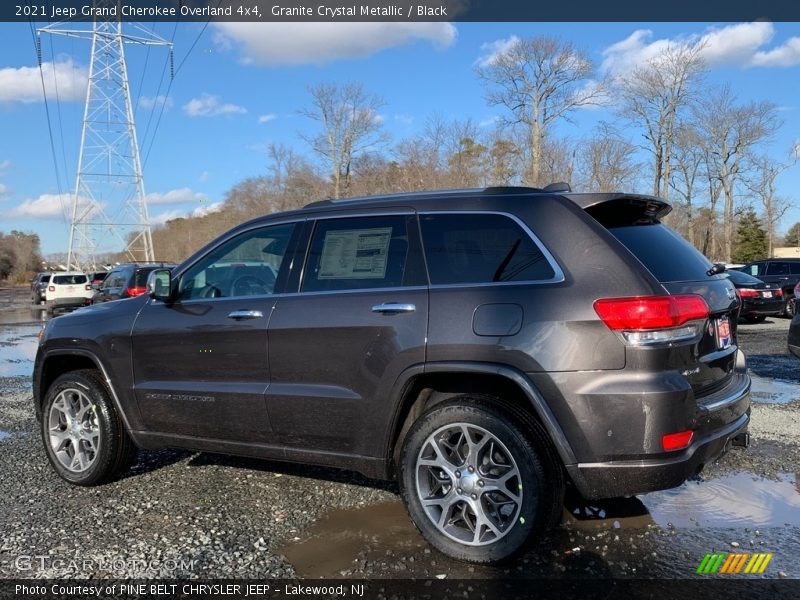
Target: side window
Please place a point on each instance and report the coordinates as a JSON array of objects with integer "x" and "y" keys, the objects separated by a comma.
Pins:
[
  {"x": 755, "y": 269},
  {"x": 480, "y": 248},
  {"x": 795, "y": 268},
  {"x": 113, "y": 280},
  {"x": 778, "y": 268},
  {"x": 247, "y": 265},
  {"x": 361, "y": 253}
]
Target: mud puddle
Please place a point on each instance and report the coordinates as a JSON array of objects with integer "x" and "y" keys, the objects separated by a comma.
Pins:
[
  {"x": 773, "y": 391},
  {"x": 4, "y": 435},
  {"x": 739, "y": 500},
  {"x": 18, "y": 350},
  {"x": 343, "y": 536},
  {"x": 23, "y": 316}
]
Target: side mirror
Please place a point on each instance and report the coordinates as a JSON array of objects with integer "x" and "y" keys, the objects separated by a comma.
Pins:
[{"x": 159, "y": 285}]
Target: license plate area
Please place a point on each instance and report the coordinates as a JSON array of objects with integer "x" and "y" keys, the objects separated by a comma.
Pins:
[
  {"x": 767, "y": 294},
  {"x": 722, "y": 329}
]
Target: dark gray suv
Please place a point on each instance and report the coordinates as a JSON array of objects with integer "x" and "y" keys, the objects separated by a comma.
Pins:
[{"x": 486, "y": 348}]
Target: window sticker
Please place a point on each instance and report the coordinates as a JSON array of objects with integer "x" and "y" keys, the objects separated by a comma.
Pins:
[{"x": 355, "y": 254}]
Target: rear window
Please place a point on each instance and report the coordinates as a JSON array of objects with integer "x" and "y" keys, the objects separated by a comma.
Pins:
[
  {"x": 45, "y": 278},
  {"x": 666, "y": 254},
  {"x": 69, "y": 279},
  {"x": 141, "y": 276},
  {"x": 742, "y": 278}
]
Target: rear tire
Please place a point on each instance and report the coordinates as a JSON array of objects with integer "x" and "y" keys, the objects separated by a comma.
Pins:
[
  {"x": 480, "y": 478},
  {"x": 83, "y": 434},
  {"x": 789, "y": 308}
]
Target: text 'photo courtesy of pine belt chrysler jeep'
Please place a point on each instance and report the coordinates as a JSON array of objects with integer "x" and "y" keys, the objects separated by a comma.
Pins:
[{"x": 485, "y": 348}]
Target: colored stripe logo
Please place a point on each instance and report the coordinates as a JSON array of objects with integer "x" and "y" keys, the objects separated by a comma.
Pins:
[{"x": 734, "y": 562}]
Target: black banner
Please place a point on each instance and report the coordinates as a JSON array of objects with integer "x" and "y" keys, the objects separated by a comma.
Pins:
[
  {"x": 434, "y": 589},
  {"x": 400, "y": 10}
]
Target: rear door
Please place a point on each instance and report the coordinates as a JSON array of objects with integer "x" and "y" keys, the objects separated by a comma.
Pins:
[
  {"x": 201, "y": 365},
  {"x": 337, "y": 346}
]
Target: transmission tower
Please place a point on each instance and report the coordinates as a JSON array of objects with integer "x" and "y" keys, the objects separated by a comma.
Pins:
[{"x": 109, "y": 210}]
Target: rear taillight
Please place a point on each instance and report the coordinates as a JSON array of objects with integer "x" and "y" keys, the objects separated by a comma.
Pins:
[
  {"x": 748, "y": 293},
  {"x": 779, "y": 292},
  {"x": 136, "y": 291},
  {"x": 677, "y": 441},
  {"x": 51, "y": 288},
  {"x": 88, "y": 288},
  {"x": 654, "y": 319}
]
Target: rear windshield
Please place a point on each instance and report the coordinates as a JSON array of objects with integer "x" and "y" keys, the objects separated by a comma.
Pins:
[
  {"x": 69, "y": 279},
  {"x": 666, "y": 254},
  {"x": 742, "y": 278},
  {"x": 140, "y": 280},
  {"x": 45, "y": 278}
]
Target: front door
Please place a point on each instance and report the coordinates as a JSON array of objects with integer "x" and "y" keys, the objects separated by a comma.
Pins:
[
  {"x": 337, "y": 346},
  {"x": 201, "y": 366}
]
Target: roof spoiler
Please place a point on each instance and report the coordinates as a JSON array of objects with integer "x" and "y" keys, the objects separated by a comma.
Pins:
[{"x": 616, "y": 210}]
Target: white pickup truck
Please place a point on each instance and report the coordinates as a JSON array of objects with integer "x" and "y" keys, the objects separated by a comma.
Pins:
[{"x": 67, "y": 291}]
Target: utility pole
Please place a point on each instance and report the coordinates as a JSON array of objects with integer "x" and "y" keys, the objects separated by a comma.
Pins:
[{"x": 109, "y": 211}]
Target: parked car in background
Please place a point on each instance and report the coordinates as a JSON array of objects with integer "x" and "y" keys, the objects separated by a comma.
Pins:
[
  {"x": 784, "y": 272},
  {"x": 39, "y": 287},
  {"x": 470, "y": 344},
  {"x": 96, "y": 279},
  {"x": 126, "y": 281},
  {"x": 759, "y": 299},
  {"x": 67, "y": 291}
]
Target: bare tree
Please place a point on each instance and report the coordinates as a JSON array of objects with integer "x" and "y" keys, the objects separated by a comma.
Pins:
[
  {"x": 606, "y": 161},
  {"x": 730, "y": 132},
  {"x": 653, "y": 97},
  {"x": 762, "y": 185},
  {"x": 350, "y": 125},
  {"x": 540, "y": 81},
  {"x": 687, "y": 156}
]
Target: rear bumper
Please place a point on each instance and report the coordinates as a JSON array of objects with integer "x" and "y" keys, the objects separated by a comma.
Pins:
[
  {"x": 716, "y": 420},
  {"x": 69, "y": 302},
  {"x": 625, "y": 478}
]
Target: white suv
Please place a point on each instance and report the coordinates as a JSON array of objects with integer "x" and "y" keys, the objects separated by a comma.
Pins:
[{"x": 68, "y": 290}]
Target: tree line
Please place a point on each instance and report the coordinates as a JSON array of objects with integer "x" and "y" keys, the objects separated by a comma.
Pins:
[{"x": 673, "y": 134}]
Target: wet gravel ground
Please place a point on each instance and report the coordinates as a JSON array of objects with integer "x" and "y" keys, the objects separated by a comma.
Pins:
[{"x": 182, "y": 514}]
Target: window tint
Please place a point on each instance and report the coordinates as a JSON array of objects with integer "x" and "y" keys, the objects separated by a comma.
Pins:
[
  {"x": 795, "y": 268},
  {"x": 755, "y": 269},
  {"x": 114, "y": 279},
  {"x": 778, "y": 268},
  {"x": 480, "y": 248},
  {"x": 69, "y": 279},
  {"x": 666, "y": 255},
  {"x": 360, "y": 253},
  {"x": 45, "y": 278},
  {"x": 247, "y": 265},
  {"x": 140, "y": 280}
]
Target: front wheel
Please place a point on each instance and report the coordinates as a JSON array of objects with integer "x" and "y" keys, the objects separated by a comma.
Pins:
[
  {"x": 755, "y": 318},
  {"x": 83, "y": 435},
  {"x": 479, "y": 480}
]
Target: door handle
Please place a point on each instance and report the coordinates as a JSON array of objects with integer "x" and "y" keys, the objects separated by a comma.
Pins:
[
  {"x": 393, "y": 308},
  {"x": 240, "y": 315}
]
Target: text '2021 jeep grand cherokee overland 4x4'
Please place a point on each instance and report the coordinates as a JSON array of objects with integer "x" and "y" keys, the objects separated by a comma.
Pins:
[{"x": 482, "y": 346}]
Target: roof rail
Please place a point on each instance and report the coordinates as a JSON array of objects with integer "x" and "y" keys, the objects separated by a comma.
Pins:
[{"x": 500, "y": 190}]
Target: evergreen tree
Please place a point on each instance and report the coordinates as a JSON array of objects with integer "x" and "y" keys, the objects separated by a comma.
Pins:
[
  {"x": 793, "y": 236},
  {"x": 751, "y": 239}
]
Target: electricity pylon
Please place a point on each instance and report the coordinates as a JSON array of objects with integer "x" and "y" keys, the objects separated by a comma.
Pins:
[{"x": 109, "y": 210}]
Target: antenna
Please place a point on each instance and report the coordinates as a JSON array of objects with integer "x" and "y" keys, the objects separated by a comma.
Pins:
[{"x": 108, "y": 207}]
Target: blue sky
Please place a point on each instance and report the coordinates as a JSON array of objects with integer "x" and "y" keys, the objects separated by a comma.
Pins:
[{"x": 241, "y": 86}]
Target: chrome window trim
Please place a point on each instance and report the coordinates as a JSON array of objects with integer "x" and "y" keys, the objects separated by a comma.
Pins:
[{"x": 558, "y": 273}]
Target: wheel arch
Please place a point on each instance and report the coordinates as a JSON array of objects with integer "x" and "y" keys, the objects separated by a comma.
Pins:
[
  {"x": 57, "y": 362},
  {"x": 420, "y": 388}
]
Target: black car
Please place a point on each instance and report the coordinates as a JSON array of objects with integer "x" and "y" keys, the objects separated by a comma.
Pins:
[
  {"x": 97, "y": 278},
  {"x": 759, "y": 300},
  {"x": 794, "y": 336},
  {"x": 125, "y": 281},
  {"x": 484, "y": 348},
  {"x": 39, "y": 287},
  {"x": 781, "y": 272}
]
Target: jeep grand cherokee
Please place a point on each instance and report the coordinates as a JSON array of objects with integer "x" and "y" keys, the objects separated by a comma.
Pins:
[{"x": 484, "y": 347}]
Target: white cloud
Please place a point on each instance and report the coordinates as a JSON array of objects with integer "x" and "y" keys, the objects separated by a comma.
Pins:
[
  {"x": 404, "y": 119},
  {"x": 785, "y": 55},
  {"x": 46, "y": 206},
  {"x": 739, "y": 45},
  {"x": 201, "y": 211},
  {"x": 267, "y": 118},
  {"x": 321, "y": 43},
  {"x": 210, "y": 106},
  {"x": 182, "y": 195},
  {"x": 152, "y": 101},
  {"x": 489, "y": 121},
  {"x": 491, "y": 50},
  {"x": 4, "y": 190},
  {"x": 24, "y": 84}
]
